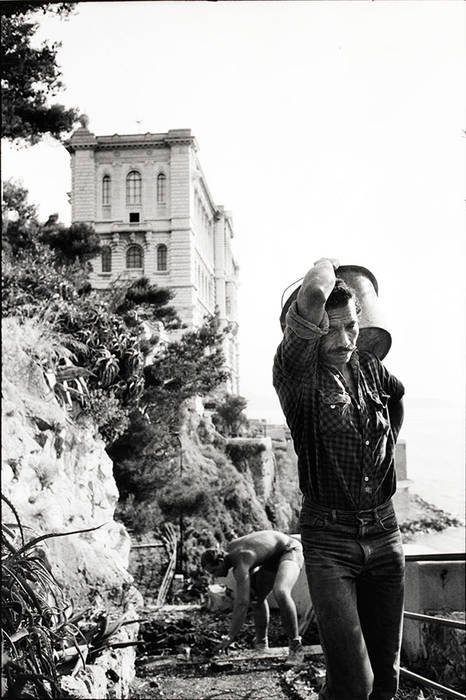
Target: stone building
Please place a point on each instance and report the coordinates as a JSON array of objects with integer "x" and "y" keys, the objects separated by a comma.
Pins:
[{"x": 149, "y": 202}]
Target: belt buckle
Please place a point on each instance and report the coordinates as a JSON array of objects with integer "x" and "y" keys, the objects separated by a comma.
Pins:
[{"x": 364, "y": 518}]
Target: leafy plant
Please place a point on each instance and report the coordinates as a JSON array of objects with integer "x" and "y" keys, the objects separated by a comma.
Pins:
[
  {"x": 46, "y": 278},
  {"x": 109, "y": 415},
  {"x": 33, "y": 278},
  {"x": 150, "y": 301},
  {"x": 35, "y": 626}
]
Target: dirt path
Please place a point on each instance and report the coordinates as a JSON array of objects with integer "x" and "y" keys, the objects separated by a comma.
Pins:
[
  {"x": 177, "y": 662},
  {"x": 246, "y": 680}
]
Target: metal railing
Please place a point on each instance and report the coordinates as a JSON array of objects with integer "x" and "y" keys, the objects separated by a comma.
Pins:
[
  {"x": 431, "y": 619},
  {"x": 437, "y": 620},
  {"x": 436, "y": 556},
  {"x": 420, "y": 680}
]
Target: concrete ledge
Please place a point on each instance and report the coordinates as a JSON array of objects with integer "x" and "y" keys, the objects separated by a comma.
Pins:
[{"x": 436, "y": 587}]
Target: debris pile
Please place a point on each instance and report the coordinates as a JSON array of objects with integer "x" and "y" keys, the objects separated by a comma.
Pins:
[
  {"x": 174, "y": 629},
  {"x": 191, "y": 632}
]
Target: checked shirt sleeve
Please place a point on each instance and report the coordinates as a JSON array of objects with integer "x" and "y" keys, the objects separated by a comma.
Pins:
[
  {"x": 296, "y": 359},
  {"x": 298, "y": 351},
  {"x": 390, "y": 384}
]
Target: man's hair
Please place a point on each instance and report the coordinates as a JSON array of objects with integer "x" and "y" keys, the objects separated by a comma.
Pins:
[
  {"x": 341, "y": 294},
  {"x": 211, "y": 557}
]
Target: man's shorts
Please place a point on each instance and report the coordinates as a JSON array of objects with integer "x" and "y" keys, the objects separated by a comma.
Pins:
[{"x": 293, "y": 552}]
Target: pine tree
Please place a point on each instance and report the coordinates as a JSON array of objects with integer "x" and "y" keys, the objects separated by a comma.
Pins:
[{"x": 30, "y": 75}]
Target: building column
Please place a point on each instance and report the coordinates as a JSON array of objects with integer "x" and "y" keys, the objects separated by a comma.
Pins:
[
  {"x": 84, "y": 186},
  {"x": 219, "y": 263}
]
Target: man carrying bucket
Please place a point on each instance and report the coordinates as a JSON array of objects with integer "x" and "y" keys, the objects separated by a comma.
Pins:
[{"x": 344, "y": 410}]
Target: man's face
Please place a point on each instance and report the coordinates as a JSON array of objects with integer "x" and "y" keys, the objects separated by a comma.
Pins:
[{"x": 338, "y": 345}]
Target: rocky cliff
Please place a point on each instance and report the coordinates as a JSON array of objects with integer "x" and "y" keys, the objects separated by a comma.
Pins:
[
  {"x": 58, "y": 477},
  {"x": 234, "y": 485}
]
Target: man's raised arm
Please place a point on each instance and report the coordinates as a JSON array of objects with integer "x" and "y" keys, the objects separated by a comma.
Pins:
[
  {"x": 316, "y": 289},
  {"x": 306, "y": 322}
]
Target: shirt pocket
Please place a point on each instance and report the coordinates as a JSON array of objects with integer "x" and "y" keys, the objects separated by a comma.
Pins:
[{"x": 335, "y": 413}]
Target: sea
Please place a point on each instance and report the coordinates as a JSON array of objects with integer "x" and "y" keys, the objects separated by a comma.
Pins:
[{"x": 434, "y": 433}]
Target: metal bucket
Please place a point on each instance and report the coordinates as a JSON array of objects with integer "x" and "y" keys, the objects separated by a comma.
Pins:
[{"x": 373, "y": 334}]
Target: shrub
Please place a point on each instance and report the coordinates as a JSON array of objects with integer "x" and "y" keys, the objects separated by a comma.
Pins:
[
  {"x": 184, "y": 497},
  {"x": 229, "y": 417},
  {"x": 110, "y": 417},
  {"x": 241, "y": 452},
  {"x": 139, "y": 517},
  {"x": 79, "y": 242}
]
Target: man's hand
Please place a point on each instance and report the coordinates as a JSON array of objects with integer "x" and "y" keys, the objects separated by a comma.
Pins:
[
  {"x": 334, "y": 261},
  {"x": 316, "y": 288}
]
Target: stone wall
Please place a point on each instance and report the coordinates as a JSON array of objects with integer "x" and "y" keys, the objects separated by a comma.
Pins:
[{"x": 436, "y": 588}]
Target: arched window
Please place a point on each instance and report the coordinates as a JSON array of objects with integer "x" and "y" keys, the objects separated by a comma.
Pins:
[
  {"x": 161, "y": 188},
  {"x": 134, "y": 257},
  {"x": 106, "y": 184},
  {"x": 106, "y": 258},
  {"x": 162, "y": 262},
  {"x": 133, "y": 187}
]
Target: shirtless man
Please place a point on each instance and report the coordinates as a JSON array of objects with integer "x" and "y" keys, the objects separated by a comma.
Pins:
[{"x": 261, "y": 562}]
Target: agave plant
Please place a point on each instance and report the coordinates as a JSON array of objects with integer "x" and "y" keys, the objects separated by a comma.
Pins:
[
  {"x": 39, "y": 637},
  {"x": 135, "y": 388},
  {"x": 133, "y": 360},
  {"x": 107, "y": 366}
]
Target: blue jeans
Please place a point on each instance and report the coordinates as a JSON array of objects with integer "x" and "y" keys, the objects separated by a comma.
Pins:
[{"x": 355, "y": 569}]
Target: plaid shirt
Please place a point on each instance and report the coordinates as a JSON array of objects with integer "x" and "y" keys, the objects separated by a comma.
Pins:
[{"x": 344, "y": 443}]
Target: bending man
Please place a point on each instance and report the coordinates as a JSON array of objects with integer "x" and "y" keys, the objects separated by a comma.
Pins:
[
  {"x": 261, "y": 562},
  {"x": 344, "y": 411}
]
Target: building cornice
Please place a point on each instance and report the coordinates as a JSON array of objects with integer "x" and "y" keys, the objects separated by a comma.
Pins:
[{"x": 83, "y": 139}]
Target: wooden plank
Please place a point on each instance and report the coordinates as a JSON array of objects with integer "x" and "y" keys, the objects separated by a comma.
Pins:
[{"x": 232, "y": 657}]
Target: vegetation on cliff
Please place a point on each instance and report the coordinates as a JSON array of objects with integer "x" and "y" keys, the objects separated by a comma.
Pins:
[{"x": 104, "y": 359}]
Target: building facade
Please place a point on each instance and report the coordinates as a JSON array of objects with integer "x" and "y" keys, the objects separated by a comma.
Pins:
[{"x": 147, "y": 199}]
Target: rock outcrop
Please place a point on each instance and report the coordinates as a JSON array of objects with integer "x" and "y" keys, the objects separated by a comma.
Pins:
[
  {"x": 255, "y": 479},
  {"x": 58, "y": 477}
]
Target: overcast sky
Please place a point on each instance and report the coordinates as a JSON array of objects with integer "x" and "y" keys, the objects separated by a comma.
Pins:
[{"x": 327, "y": 128}]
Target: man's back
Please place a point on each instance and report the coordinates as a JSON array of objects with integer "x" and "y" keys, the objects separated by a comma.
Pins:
[{"x": 258, "y": 547}]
